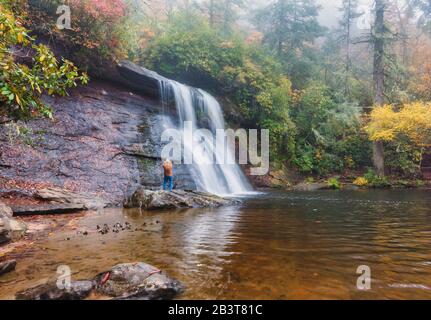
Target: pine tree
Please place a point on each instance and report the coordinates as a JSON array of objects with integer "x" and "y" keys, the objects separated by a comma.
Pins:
[
  {"x": 350, "y": 12},
  {"x": 289, "y": 24}
]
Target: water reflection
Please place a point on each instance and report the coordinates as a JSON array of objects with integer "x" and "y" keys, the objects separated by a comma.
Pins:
[{"x": 277, "y": 246}]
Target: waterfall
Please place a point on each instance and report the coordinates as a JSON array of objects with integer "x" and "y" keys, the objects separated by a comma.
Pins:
[{"x": 204, "y": 112}]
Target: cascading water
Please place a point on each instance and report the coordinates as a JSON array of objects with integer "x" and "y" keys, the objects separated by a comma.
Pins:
[{"x": 204, "y": 112}]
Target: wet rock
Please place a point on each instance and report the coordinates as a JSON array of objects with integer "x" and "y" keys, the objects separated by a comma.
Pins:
[
  {"x": 139, "y": 79},
  {"x": 5, "y": 211},
  {"x": 350, "y": 187},
  {"x": 10, "y": 228},
  {"x": 7, "y": 266},
  {"x": 15, "y": 227},
  {"x": 53, "y": 208},
  {"x": 49, "y": 291},
  {"x": 152, "y": 200},
  {"x": 4, "y": 233},
  {"x": 311, "y": 186},
  {"x": 87, "y": 201},
  {"x": 137, "y": 281}
]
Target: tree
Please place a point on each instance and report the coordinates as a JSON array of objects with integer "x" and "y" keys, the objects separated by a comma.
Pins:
[
  {"x": 409, "y": 129},
  {"x": 290, "y": 28},
  {"x": 350, "y": 12},
  {"x": 230, "y": 14},
  {"x": 424, "y": 7},
  {"x": 289, "y": 24},
  {"x": 379, "y": 33},
  {"x": 22, "y": 85},
  {"x": 221, "y": 13}
]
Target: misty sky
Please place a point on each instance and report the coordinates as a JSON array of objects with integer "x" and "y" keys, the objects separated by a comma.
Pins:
[{"x": 329, "y": 14}]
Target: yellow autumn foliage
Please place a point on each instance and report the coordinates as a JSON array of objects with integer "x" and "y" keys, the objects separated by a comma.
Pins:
[
  {"x": 412, "y": 120},
  {"x": 361, "y": 182}
]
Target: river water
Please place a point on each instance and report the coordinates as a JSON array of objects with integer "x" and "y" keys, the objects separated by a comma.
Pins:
[{"x": 276, "y": 246}]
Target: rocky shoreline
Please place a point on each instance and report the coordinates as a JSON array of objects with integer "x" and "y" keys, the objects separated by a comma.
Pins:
[{"x": 30, "y": 217}]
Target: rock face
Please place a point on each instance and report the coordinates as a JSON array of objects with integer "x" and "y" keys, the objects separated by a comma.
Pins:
[
  {"x": 7, "y": 266},
  {"x": 49, "y": 291},
  {"x": 137, "y": 281},
  {"x": 104, "y": 140},
  {"x": 124, "y": 281},
  {"x": 86, "y": 201},
  {"x": 10, "y": 228},
  {"x": 153, "y": 200}
]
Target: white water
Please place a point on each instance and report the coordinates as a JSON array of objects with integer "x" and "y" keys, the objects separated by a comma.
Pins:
[{"x": 204, "y": 112}]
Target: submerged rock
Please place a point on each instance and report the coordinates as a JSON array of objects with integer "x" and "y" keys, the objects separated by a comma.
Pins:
[
  {"x": 137, "y": 281},
  {"x": 152, "y": 200},
  {"x": 86, "y": 201},
  {"x": 311, "y": 186},
  {"x": 49, "y": 291},
  {"x": 124, "y": 281},
  {"x": 7, "y": 266},
  {"x": 4, "y": 233}
]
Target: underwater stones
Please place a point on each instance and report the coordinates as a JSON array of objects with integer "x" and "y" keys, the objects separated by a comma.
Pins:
[
  {"x": 50, "y": 291},
  {"x": 137, "y": 281},
  {"x": 7, "y": 266},
  {"x": 153, "y": 200}
]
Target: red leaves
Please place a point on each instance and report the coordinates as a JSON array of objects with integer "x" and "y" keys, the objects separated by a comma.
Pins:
[{"x": 112, "y": 10}]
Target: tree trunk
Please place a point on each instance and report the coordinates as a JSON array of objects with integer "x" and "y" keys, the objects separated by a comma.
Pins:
[
  {"x": 379, "y": 79},
  {"x": 212, "y": 13}
]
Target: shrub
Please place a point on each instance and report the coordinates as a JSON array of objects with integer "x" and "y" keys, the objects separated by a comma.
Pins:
[
  {"x": 97, "y": 33},
  {"x": 376, "y": 181},
  {"x": 334, "y": 183},
  {"x": 21, "y": 85},
  {"x": 328, "y": 135},
  {"x": 406, "y": 131},
  {"x": 361, "y": 182}
]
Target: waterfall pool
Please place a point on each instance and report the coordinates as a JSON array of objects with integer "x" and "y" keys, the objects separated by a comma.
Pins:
[{"x": 276, "y": 246}]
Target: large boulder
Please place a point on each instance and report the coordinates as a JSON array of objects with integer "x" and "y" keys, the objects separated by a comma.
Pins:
[
  {"x": 50, "y": 291},
  {"x": 137, "y": 281},
  {"x": 10, "y": 228},
  {"x": 124, "y": 281},
  {"x": 86, "y": 201},
  {"x": 5, "y": 211},
  {"x": 154, "y": 200}
]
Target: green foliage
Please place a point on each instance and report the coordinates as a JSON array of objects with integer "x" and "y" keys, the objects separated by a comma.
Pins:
[
  {"x": 334, "y": 183},
  {"x": 376, "y": 181},
  {"x": 21, "y": 85},
  {"x": 329, "y": 135},
  {"x": 290, "y": 28},
  {"x": 193, "y": 52}
]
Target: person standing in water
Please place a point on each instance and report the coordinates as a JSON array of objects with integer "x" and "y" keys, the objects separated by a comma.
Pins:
[{"x": 169, "y": 175}]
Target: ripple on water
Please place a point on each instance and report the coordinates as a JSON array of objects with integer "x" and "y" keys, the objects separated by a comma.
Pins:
[{"x": 275, "y": 246}]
